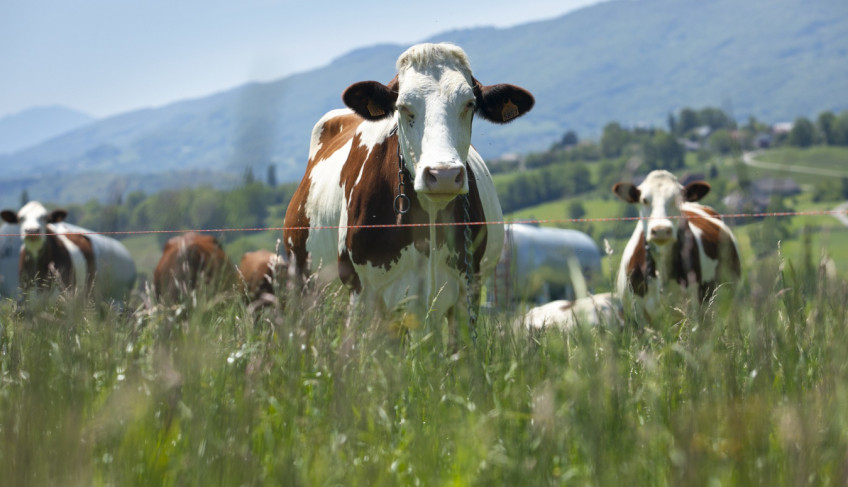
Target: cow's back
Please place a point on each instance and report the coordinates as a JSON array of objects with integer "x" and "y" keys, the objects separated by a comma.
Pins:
[
  {"x": 114, "y": 268},
  {"x": 189, "y": 260}
]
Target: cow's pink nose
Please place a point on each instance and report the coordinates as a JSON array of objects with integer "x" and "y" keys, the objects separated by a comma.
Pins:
[
  {"x": 661, "y": 233},
  {"x": 445, "y": 179}
]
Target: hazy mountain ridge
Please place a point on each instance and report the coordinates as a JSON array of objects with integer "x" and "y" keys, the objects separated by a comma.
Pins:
[
  {"x": 625, "y": 60},
  {"x": 29, "y": 127}
]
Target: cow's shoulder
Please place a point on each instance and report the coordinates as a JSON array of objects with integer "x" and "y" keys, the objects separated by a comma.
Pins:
[{"x": 330, "y": 134}]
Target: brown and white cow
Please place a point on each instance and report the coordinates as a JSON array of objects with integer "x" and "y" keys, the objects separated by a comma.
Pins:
[
  {"x": 260, "y": 269},
  {"x": 416, "y": 128},
  {"x": 189, "y": 261},
  {"x": 69, "y": 257},
  {"x": 678, "y": 244}
]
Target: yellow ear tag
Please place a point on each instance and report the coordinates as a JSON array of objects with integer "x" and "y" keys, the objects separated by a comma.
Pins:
[
  {"x": 509, "y": 110},
  {"x": 374, "y": 110}
]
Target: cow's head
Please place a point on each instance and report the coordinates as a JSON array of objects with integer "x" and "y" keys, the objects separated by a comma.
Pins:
[
  {"x": 433, "y": 99},
  {"x": 33, "y": 219},
  {"x": 659, "y": 197}
]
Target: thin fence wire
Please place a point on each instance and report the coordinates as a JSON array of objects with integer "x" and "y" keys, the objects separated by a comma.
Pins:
[{"x": 449, "y": 224}]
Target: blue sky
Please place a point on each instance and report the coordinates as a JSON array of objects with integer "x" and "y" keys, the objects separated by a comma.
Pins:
[{"x": 105, "y": 57}]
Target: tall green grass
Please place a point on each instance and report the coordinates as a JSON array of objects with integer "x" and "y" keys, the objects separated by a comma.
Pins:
[{"x": 750, "y": 389}]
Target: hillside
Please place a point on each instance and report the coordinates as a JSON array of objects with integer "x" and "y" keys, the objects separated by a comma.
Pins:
[
  {"x": 629, "y": 61},
  {"x": 33, "y": 126}
]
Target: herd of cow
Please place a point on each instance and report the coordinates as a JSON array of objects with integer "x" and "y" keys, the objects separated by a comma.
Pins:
[
  {"x": 399, "y": 206},
  {"x": 56, "y": 255}
]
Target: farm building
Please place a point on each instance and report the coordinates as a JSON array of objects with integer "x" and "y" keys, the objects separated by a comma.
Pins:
[{"x": 540, "y": 264}]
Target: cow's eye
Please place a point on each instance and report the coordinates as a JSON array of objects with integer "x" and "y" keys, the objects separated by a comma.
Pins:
[
  {"x": 406, "y": 111},
  {"x": 645, "y": 202},
  {"x": 471, "y": 105}
]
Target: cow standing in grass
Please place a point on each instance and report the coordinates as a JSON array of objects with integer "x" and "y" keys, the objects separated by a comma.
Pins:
[
  {"x": 260, "y": 270},
  {"x": 55, "y": 254},
  {"x": 678, "y": 244},
  {"x": 189, "y": 261},
  {"x": 402, "y": 154}
]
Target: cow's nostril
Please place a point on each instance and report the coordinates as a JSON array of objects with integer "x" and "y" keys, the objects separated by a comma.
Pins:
[{"x": 431, "y": 178}]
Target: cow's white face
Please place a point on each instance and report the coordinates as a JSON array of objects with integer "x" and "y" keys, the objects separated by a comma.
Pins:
[
  {"x": 433, "y": 99},
  {"x": 33, "y": 219},
  {"x": 435, "y": 107},
  {"x": 660, "y": 197}
]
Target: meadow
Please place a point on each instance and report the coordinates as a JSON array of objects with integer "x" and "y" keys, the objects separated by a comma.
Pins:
[{"x": 750, "y": 388}]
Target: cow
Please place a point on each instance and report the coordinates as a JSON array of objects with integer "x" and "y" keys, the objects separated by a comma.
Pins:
[
  {"x": 678, "y": 245},
  {"x": 401, "y": 154},
  {"x": 57, "y": 254},
  {"x": 189, "y": 261},
  {"x": 591, "y": 310},
  {"x": 259, "y": 270}
]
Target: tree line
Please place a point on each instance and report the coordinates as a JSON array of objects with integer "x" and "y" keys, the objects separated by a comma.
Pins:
[
  {"x": 562, "y": 170},
  {"x": 565, "y": 169}
]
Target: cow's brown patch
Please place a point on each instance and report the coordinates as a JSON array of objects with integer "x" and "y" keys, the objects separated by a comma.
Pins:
[
  {"x": 637, "y": 268},
  {"x": 718, "y": 245},
  {"x": 189, "y": 260},
  {"x": 336, "y": 133},
  {"x": 259, "y": 269}
]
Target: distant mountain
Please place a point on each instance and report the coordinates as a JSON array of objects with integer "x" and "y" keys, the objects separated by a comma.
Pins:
[
  {"x": 35, "y": 125},
  {"x": 624, "y": 60}
]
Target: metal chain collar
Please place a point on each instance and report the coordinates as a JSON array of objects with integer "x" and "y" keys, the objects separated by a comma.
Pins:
[{"x": 401, "y": 203}]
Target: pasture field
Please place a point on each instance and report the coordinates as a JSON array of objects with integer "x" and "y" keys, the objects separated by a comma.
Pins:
[{"x": 751, "y": 389}]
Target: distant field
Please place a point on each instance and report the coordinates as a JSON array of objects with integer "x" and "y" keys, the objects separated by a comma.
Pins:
[{"x": 824, "y": 157}]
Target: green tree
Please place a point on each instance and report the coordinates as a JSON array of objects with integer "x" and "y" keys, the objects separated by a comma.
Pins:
[
  {"x": 715, "y": 118},
  {"x": 613, "y": 140},
  {"x": 271, "y": 178},
  {"x": 663, "y": 151},
  {"x": 721, "y": 142},
  {"x": 827, "y": 127},
  {"x": 688, "y": 120},
  {"x": 803, "y": 133},
  {"x": 568, "y": 140},
  {"x": 576, "y": 210}
]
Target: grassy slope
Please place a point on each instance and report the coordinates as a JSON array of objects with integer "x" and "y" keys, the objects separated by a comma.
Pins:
[{"x": 753, "y": 391}]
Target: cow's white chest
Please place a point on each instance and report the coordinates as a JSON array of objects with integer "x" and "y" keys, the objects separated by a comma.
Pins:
[{"x": 430, "y": 286}]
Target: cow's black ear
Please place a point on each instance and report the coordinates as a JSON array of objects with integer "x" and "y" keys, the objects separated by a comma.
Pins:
[
  {"x": 9, "y": 216},
  {"x": 502, "y": 103},
  {"x": 627, "y": 192},
  {"x": 57, "y": 216},
  {"x": 372, "y": 100},
  {"x": 696, "y": 190}
]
